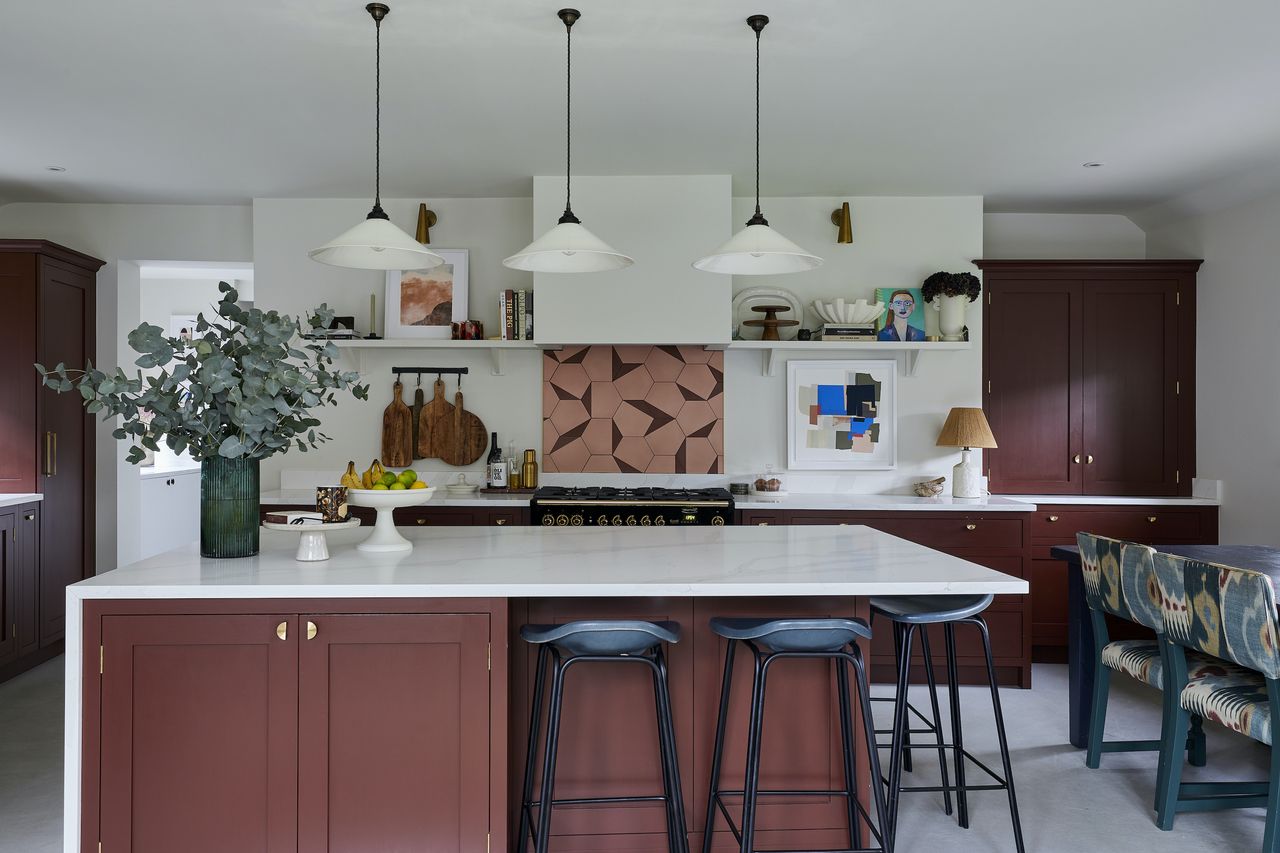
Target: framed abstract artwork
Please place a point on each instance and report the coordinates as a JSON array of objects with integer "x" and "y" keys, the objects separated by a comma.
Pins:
[
  {"x": 841, "y": 415},
  {"x": 426, "y": 303}
]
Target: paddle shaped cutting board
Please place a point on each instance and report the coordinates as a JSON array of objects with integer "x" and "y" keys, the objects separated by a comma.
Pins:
[
  {"x": 435, "y": 423},
  {"x": 467, "y": 439},
  {"x": 397, "y": 431}
]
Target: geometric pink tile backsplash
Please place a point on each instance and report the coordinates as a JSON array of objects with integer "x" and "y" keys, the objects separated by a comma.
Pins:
[{"x": 633, "y": 410}]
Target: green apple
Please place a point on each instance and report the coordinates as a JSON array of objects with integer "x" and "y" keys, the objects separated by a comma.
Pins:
[
  {"x": 380, "y": 486},
  {"x": 408, "y": 476},
  {"x": 397, "y": 487},
  {"x": 388, "y": 478}
]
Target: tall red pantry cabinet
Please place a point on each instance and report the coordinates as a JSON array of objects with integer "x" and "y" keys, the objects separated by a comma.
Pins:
[{"x": 46, "y": 439}]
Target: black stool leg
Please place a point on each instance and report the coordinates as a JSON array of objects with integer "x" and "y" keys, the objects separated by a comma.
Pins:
[
  {"x": 752, "y": 783},
  {"x": 957, "y": 730},
  {"x": 873, "y": 755},
  {"x": 535, "y": 722},
  {"x": 677, "y": 832},
  {"x": 1004, "y": 743},
  {"x": 543, "y": 842},
  {"x": 654, "y": 672},
  {"x": 717, "y": 752},
  {"x": 899, "y": 630},
  {"x": 897, "y": 748},
  {"x": 937, "y": 716},
  {"x": 847, "y": 749}
]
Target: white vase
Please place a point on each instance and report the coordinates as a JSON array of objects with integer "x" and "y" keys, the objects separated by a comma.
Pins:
[{"x": 951, "y": 317}]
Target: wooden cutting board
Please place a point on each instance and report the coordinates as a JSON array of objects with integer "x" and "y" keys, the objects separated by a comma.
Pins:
[
  {"x": 415, "y": 413},
  {"x": 435, "y": 424},
  {"x": 397, "y": 432},
  {"x": 467, "y": 440}
]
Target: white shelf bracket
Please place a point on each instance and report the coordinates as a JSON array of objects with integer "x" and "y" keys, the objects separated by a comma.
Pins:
[
  {"x": 913, "y": 361},
  {"x": 768, "y": 367},
  {"x": 497, "y": 355}
]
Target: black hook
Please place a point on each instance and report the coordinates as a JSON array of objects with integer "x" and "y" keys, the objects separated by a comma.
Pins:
[
  {"x": 397, "y": 378},
  {"x": 419, "y": 380}
]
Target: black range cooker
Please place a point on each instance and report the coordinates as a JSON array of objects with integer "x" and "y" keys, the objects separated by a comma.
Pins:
[{"x": 559, "y": 506}]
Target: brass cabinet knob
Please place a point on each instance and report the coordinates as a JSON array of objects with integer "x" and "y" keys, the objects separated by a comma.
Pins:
[
  {"x": 282, "y": 630},
  {"x": 1089, "y": 459},
  {"x": 1151, "y": 518},
  {"x": 312, "y": 630},
  {"x": 1076, "y": 459},
  {"x": 499, "y": 521},
  {"x": 422, "y": 521},
  {"x": 971, "y": 526},
  {"x": 762, "y": 524},
  {"x": 1053, "y": 518}
]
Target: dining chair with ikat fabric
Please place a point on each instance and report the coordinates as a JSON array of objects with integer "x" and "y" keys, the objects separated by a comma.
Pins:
[
  {"x": 1230, "y": 615},
  {"x": 1120, "y": 579}
]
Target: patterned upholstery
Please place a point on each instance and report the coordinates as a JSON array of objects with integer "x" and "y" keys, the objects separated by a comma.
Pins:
[
  {"x": 1119, "y": 578},
  {"x": 1231, "y": 695},
  {"x": 1221, "y": 611},
  {"x": 1140, "y": 659}
]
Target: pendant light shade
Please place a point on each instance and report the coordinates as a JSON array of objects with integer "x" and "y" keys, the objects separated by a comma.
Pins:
[
  {"x": 376, "y": 244},
  {"x": 758, "y": 249},
  {"x": 568, "y": 247}
]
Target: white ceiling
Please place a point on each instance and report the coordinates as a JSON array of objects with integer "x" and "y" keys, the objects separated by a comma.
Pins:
[{"x": 220, "y": 102}]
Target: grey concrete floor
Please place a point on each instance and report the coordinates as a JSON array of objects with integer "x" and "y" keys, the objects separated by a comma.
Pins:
[{"x": 1066, "y": 808}]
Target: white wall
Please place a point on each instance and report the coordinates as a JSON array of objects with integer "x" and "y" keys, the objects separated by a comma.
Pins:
[
  {"x": 121, "y": 234},
  {"x": 898, "y": 242},
  {"x": 1061, "y": 235},
  {"x": 160, "y": 298},
  {"x": 1238, "y": 394},
  {"x": 287, "y": 280}
]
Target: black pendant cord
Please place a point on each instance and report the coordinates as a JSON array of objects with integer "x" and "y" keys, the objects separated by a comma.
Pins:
[
  {"x": 757, "y": 23},
  {"x": 378, "y": 14},
  {"x": 569, "y": 16}
]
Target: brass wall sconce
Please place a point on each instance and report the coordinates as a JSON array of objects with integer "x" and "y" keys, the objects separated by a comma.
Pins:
[
  {"x": 840, "y": 218},
  {"x": 426, "y": 221}
]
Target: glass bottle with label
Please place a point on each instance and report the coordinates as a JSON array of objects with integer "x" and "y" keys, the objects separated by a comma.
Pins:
[
  {"x": 513, "y": 466},
  {"x": 497, "y": 466}
]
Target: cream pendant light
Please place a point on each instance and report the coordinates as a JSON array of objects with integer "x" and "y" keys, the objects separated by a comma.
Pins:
[
  {"x": 568, "y": 247},
  {"x": 376, "y": 244},
  {"x": 758, "y": 249}
]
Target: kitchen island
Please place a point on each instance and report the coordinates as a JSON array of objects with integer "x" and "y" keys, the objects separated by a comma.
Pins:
[{"x": 381, "y": 700}]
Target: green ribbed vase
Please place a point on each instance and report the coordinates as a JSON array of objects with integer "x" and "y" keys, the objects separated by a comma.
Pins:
[{"x": 229, "y": 499}]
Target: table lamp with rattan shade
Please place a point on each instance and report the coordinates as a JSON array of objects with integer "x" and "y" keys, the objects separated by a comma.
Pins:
[{"x": 966, "y": 428}]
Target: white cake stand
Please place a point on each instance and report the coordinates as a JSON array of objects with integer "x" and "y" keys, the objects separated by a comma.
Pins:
[
  {"x": 385, "y": 538},
  {"x": 312, "y": 546}
]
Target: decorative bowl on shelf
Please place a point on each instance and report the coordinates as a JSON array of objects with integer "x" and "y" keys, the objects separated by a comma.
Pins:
[
  {"x": 385, "y": 537},
  {"x": 839, "y": 312}
]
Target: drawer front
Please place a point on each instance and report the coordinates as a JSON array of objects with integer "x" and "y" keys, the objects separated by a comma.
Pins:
[
  {"x": 953, "y": 531},
  {"x": 1153, "y": 524}
]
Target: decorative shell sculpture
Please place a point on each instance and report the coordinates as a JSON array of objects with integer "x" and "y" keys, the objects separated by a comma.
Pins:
[{"x": 838, "y": 312}]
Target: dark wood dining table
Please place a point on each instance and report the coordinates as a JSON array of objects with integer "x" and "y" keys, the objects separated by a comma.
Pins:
[{"x": 1081, "y": 648}]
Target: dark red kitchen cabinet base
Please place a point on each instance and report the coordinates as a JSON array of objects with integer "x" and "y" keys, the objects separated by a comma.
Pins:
[{"x": 20, "y": 648}]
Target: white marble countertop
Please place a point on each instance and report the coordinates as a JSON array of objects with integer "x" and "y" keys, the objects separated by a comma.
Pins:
[
  {"x": 884, "y": 503},
  {"x": 19, "y": 498},
  {"x": 537, "y": 562},
  {"x": 1108, "y": 500},
  {"x": 307, "y": 497}
]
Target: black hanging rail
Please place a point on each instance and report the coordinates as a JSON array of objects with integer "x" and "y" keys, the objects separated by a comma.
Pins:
[{"x": 452, "y": 371}]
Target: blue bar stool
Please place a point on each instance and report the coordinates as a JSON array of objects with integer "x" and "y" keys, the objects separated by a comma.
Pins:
[
  {"x": 772, "y": 640},
  {"x": 602, "y": 641},
  {"x": 909, "y": 613}
]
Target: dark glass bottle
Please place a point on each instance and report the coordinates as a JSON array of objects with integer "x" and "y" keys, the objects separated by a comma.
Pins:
[{"x": 497, "y": 473}]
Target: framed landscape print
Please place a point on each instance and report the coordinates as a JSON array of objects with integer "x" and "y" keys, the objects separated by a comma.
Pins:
[
  {"x": 426, "y": 303},
  {"x": 841, "y": 415}
]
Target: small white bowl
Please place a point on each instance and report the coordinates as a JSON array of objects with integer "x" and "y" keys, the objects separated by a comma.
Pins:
[{"x": 839, "y": 312}]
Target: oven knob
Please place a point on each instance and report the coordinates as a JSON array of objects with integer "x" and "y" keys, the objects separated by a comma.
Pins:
[
  {"x": 602, "y": 520},
  {"x": 631, "y": 521},
  {"x": 548, "y": 520},
  {"x": 617, "y": 520},
  {"x": 576, "y": 521},
  {"x": 562, "y": 520},
  {"x": 718, "y": 521},
  {"x": 660, "y": 521},
  {"x": 645, "y": 521}
]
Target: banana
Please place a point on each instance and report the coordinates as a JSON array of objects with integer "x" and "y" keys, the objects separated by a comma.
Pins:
[
  {"x": 366, "y": 479},
  {"x": 378, "y": 470},
  {"x": 351, "y": 479}
]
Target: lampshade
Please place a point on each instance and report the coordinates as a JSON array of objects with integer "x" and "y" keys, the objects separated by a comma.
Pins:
[
  {"x": 376, "y": 244},
  {"x": 966, "y": 428},
  {"x": 568, "y": 247},
  {"x": 758, "y": 250}
]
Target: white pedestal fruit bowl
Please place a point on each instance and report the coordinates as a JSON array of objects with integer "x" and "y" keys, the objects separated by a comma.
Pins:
[{"x": 385, "y": 538}]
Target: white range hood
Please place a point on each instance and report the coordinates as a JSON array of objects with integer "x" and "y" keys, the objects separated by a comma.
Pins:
[{"x": 665, "y": 222}]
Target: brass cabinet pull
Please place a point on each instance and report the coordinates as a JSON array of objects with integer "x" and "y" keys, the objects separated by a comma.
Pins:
[
  {"x": 1053, "y": 518},
  {"x": 1076, "y": 459},
  {"x": 55, "y": 455},
  {"x": 422, "y": 521},
  {"x": 48, "y": 454},
  {"x": 282, "y": 630},
  {"x": 1088, "y": 460},
  {"x": 1151, "y": 518},
  {"x": 31, "y": 517},
  {"x": 971, "y": 526},
  {"x": 312, "y": 630},
  {"x": 500, "y": 521},
  {"x": 762, "y": 524}
]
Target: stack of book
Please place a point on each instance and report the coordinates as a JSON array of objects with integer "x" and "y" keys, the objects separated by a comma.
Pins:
[
  {"x": 515, "y": 310},
  {"x": 848, "y": 332}
]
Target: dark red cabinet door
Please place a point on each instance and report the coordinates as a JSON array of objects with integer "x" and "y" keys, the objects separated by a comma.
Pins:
[
  {"x": 8, "y": 588},
  {"x": 27, "y": 595},
  {"x": 393, "y": 733},
  {"x": 1033, "y": 401},
  {"x": 199, "y": 734},
  {"x": 64, "y": 438},
  {"x": 1130, "y": 384}
]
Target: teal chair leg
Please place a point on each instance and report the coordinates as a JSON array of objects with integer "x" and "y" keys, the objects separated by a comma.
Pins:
[
  {"x": 1171, "y": 776},
  {"x": 1098, "y": 714},
  {"x": 1271, "y": 835}
]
